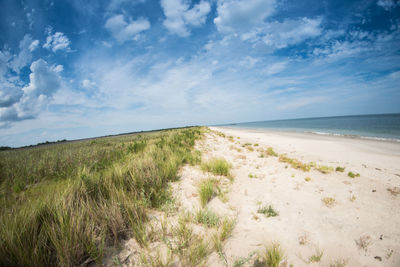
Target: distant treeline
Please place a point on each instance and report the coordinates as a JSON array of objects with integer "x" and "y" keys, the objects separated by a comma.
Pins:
[{"x": 2, "y": 148}]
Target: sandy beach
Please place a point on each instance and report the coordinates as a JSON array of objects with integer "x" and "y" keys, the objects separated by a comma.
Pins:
[
  {"x": 361, "y": 227},
  {"x": 323, "y": 216}
]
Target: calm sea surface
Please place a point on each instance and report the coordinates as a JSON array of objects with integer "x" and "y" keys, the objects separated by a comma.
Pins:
[{"x": 386, "y": 126}]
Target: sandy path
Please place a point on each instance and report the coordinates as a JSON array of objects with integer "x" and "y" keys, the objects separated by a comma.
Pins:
[{"x": 363, "y": 208}]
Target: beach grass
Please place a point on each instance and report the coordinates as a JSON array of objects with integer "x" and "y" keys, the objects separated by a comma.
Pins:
[
  {"x": 63, "y": 204},
  {"x": 217, "y": 166}
]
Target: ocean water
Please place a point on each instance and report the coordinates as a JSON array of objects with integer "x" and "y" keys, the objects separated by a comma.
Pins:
[{"x": 382, "y": 126}]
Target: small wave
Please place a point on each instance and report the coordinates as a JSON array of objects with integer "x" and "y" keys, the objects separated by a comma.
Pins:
[{"x": 357, "y": 136}]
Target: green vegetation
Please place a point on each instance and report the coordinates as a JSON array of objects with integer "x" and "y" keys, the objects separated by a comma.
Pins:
[
  {"x": 340, "y": 169},
  {"x": 63, "y": 204},
  {"x": 296, "y": 164},
  {"x": 271, "y": 152},
  {"x": 217, "y": 166},
  {"x": 272, "y": 256},
  {"x": 268, "y": 211},
  {"x": 353, "y": 175},
  {"x": 307, "y": 179},
  {"x": 316, "y": 257},
  {"x": 324, "y": 169},
  {"x": 208, "y": 188},
  {"x": 207, "y": 218},
  {"x": 252, "y": 175}
]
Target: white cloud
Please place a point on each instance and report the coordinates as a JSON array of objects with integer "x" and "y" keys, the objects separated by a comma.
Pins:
[
  {"x": 9, "y": 93},
  {"x": 123, "y": 30},
  {"x": 242, "y": 15},
  {"x": 57, "y": 41},
  {"x": 289, "y": 32},
  {"x": 179, "y": 15},
  {"x": 86, "y": 83},
  {"x": 34, "y": 45},
  {"x": 388, "y": 5},
  {"x": 28, "y": 102},
  {"x": 275, "y": 68},
  {"x": 249, "y": 62},
  {"x": 24, "y": 57},
  {"x": 301, "y": 102},
  {"x": 250, "y": 21}
]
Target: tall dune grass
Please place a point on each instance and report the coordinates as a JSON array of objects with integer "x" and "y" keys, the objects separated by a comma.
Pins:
[{"x": 63, "y": 204}]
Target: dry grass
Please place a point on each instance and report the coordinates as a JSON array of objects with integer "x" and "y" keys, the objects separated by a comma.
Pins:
[
  {"x": 393, "y": 190},
  {"x": 363, "y": 242},
  {"x": 329, "y": 201},
  {"x": 296, "y": 164}
]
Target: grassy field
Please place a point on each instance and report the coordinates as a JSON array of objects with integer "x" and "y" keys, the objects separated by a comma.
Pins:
[{"x": 63, "y": 204}]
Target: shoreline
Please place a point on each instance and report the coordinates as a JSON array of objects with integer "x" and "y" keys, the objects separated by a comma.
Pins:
[{"x": 313, "y": 133}]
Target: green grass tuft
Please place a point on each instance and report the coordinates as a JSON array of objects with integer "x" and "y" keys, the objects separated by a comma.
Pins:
[
  {"x": 268, "y": 211},
  {"x": 207, "y": 218},
  {"x": 353, "y": 175},
  {"x": 340, "y": 169},
  {"x": 208, "y": 189},
  {"x": 270, "y": 152},
  {"x": 217, "y": 166},
  {"x": 324, "y": 169}
]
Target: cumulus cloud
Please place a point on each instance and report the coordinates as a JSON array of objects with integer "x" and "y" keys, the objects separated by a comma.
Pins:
[
  {"x": 9, "y": 93},
  {"x": 251, "y": 20},
  {"x": 28, "y": 102},
  {"x": 179, "y": 15},
  {"x": 388, "y": 5},
  {"x": 57, "y": 41},
  {"x": 124, "y": 30},
  {"x": 24, "y": 57},
  {"x": 239, "y": 15}
]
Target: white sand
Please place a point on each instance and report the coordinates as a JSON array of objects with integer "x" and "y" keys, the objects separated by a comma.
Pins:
[{"x": 374, "y": 213}]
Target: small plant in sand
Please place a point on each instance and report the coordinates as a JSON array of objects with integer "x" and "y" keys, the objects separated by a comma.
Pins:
[
  {"x": 217, "y": 166},
  {"x": 261, "y": 155},
  {"x": 224, "y": 231},
  {"x": 338, "y": 263},
  {"x": 394, "y": 190},
  {"x": 268, "y": 211},
  {"x": 329, "y": 201},
  {"x": 316, "y": 257},
  {"x": 303, "y": 239},
  {"x": 252, "y": 175},
  {"x": 363, "y": 242},
  {"x": 207, "y": 218},
  {"x": 208, "y": 189},
  {"x": 296, "y": 164},
  {"x": 307, "y": 179},
  {"x": 324, "y": 169},
  {"x": 340, "y": 169},
  {"x": 250, "y": 148},
  {"x": 353, "y": 198},
  {"x": 272, "y": 256},
  {"x": 353, "y": 175},
  {"x": 270, "y": 152}
]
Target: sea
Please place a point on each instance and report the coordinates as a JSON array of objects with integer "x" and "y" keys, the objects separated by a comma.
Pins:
[{"x": 379, "y": 126}]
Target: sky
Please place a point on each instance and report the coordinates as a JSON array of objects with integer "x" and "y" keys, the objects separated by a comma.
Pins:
[{"x": 76, "y": 69}]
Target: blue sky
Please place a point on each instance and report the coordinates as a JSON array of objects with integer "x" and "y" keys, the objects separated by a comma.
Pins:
[{"x": 75, "y": 69}]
